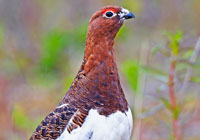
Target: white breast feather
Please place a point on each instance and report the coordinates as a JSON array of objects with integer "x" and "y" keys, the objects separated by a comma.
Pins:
[{"x": 117, "y": 126}]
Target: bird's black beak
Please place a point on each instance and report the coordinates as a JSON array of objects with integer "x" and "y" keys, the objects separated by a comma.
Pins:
[{"x": 129, "y": 15}]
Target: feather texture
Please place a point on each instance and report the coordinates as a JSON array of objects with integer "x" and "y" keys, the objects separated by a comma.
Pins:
[{"x": 96, "y": 88}]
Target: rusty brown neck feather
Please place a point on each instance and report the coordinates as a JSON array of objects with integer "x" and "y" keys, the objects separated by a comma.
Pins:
[
  {"x": 97, "y": 84},
  {"x": 98, "y": 51},
  {"x": 100, "y": 75}
]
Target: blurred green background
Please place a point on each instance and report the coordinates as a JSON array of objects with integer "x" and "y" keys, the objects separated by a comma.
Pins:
[{"x": 42, "y": 47}]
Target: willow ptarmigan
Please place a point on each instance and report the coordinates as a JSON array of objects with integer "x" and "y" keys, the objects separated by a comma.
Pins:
[{"x": 94, "y": 108}]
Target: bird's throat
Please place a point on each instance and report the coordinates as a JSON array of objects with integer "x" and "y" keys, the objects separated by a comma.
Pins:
[{"x": 99, "y": 55}]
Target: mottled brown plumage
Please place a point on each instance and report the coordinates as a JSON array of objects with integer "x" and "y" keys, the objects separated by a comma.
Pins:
[{"x": 96, "y": 85}]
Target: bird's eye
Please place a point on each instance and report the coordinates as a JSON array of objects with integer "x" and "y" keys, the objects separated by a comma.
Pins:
[{"x": 109, "y": 14}]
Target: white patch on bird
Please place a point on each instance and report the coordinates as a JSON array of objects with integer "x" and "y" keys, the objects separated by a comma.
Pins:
[
  {"x": 123, "y": 13},
  {"x": 117, "y": 126},
  {"x": 62, "y": 105}
]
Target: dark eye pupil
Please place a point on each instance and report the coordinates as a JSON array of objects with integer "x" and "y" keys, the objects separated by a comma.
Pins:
[{"x": 109, "y": 14}]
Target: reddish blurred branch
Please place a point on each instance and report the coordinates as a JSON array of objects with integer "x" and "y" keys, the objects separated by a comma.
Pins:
[
  {"x": 173, "y": 99},
  {"x": 171, "y": 83}
]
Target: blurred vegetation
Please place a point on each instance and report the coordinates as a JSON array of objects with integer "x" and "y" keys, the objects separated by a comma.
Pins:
[
  {"x": 131, "y": 70},
  {"x": 57, "y": 37},
  {"x": 41, "y": 49},
  {"x": 1, "y": 35}
]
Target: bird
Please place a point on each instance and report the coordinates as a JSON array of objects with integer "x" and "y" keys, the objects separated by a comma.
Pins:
[{"x": 94, "y": 107}]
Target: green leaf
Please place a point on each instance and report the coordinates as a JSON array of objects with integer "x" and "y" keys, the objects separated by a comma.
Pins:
[
  {"x": 166, "y": 103},
  {"x": 176, "y": 112},
  {"x": 174, "y": 41},
  {"x": 131, "y": 71}
]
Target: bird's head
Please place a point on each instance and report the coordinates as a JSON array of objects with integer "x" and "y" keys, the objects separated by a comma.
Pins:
[{"x": 108, "y": 20}]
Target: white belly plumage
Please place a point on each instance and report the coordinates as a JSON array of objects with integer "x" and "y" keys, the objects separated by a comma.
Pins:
[{"x": 117, "y": 126}]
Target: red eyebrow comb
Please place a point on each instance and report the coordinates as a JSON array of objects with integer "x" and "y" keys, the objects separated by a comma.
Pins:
[{"x": 109, "y": 9}]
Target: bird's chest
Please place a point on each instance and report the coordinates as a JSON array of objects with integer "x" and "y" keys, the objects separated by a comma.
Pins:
[{"x": 117, "y": 126}]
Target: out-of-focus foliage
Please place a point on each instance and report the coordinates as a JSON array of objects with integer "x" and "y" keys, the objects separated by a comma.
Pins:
[
  {"x": 51, "y": 53},
  {"x": 174, "y": 41},
  {"x": 20, "y": 119},
  {"x": 131, "y": 70},
  {"x": 51, "y": 56},
  {"x": 1, "y": 35},
  {"x": 133, "y": 5},
  {"x": 155, "y": 73},
  {"x": 42, "y": 45}
]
